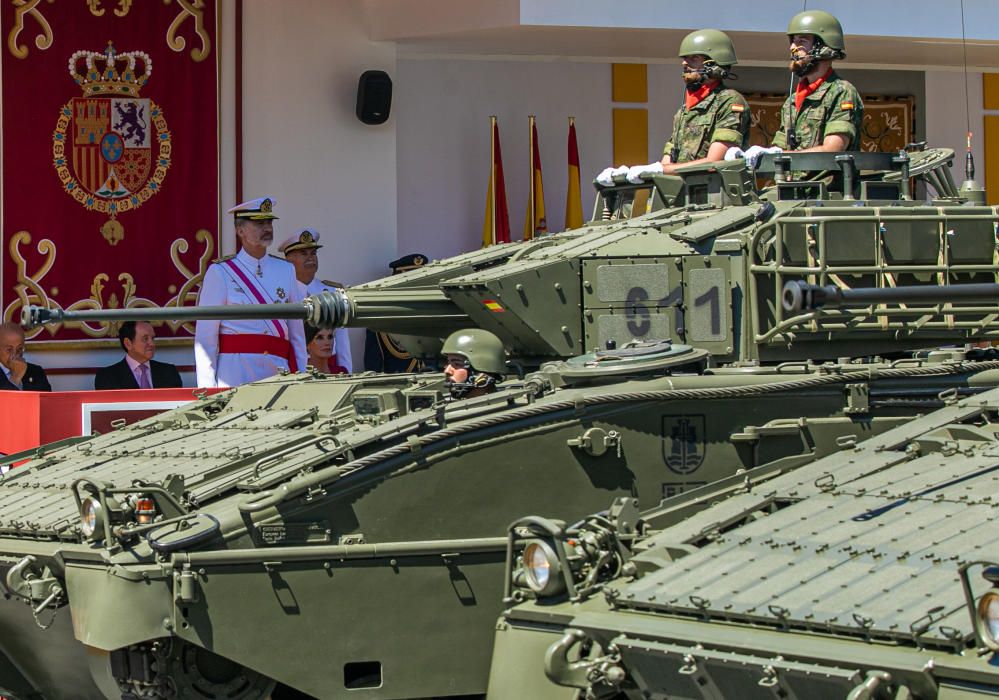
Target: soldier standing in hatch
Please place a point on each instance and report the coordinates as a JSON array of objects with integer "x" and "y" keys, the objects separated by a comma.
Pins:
[
  {"x": 713, "y": 117},
  {"x": 825, "y": 112}
]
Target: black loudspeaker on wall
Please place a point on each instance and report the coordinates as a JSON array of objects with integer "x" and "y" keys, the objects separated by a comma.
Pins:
[{"x": 374, "y": 97}]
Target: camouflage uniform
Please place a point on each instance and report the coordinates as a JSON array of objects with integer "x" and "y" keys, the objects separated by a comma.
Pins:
[
  {"x": 721, "y": 116},
  {"x": 834, "y": 108}
]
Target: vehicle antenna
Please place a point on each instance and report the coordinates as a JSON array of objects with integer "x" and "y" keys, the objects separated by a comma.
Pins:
[{"x": 969, "y": 188}]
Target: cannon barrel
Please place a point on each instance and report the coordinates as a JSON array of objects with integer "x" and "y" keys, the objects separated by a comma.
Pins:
[
  {"x": 800, "y": 296},
  {"x": 405, "y": 311}
]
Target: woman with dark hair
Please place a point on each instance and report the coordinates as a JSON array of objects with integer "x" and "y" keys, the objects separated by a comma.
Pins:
[{"x": 319, "y": 345}]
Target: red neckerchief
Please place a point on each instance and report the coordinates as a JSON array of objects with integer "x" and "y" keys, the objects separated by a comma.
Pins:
[
  {"x": 805, "y": 89},
  {"x": 693, "y": 97}
]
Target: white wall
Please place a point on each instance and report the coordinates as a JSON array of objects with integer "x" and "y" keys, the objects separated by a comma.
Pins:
[
  {"x": 947, "y": 119},
  {"x": 442, "y": 108}
]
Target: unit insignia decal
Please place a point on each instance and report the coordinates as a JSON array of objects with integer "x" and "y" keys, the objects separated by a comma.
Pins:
[{"x": 684, "y": 442}]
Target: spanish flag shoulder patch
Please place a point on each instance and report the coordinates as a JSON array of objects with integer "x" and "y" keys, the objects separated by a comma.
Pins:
[
  {"x": 846, "y": 105},
  {"x": 738, "y": 108}
]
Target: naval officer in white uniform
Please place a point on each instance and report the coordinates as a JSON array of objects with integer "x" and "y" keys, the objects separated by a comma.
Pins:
[
  {"x": 230, "y": 353},
  {"x": 301, "y": 251}
]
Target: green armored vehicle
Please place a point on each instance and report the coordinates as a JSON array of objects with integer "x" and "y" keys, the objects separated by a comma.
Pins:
[
  {"x": 870, "y": 573},
  {"x": 339, "y": 536}
]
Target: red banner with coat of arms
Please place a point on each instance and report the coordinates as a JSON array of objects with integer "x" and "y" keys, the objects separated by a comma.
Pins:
[{"x": 110, "y": 169}]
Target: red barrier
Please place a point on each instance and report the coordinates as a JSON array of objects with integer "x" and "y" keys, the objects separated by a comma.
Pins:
[{"x": 30, "y": 418}]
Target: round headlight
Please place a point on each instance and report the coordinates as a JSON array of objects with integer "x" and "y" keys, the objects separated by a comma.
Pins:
[
  {"x": 988, "y": 618},
  {"x": 91, "y": 521},
  {"x": 542, "y": 570}
]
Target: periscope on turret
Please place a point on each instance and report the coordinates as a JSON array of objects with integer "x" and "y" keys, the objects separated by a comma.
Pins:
[{"x": 364, "y": 515}]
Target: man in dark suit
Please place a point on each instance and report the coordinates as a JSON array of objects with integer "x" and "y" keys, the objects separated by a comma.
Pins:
[
  {"x": 15, "y": 373},
  {"x": 138, "y": 369}
]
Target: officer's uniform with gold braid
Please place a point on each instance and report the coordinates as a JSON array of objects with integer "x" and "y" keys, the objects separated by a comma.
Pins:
[
  {"x": 233, "y": 352},
  {"x": 381, "y": 353},
  {"x": 307, "y": 239}
]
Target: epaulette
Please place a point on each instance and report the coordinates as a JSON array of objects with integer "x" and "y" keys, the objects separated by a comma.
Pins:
[
  {"x": 278, "y": 257},
  {"x": 224, "y": 258},
  {"x": 331, "y": 283}
]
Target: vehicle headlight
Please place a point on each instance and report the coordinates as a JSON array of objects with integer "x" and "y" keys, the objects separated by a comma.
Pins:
[
  {"x": 542, "y": 569},
  {"x": 91, "y": 518},
  {"x": 988, "y": 618}
]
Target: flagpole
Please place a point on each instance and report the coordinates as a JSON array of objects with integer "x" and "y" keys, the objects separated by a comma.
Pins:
[
  {"x": 531, "y": 205},
  {"x": 492, "y": 179}
]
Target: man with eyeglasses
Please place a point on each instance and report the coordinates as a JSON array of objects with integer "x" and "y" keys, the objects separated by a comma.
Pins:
[{"x": 18, "y": 374}]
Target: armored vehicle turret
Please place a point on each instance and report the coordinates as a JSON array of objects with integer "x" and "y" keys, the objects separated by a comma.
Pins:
[
  {"x": 703, "y": 264},
  {"x": 219, "y": 549},
  {"x": 870, "y": 573}
]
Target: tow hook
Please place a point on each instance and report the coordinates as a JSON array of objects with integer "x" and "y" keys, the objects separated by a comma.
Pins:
[{"x": 39, "y": 589}]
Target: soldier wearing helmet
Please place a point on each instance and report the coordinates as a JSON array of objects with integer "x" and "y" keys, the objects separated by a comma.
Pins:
[
  {"x": 823, "y": 112},
  {"x": 475, "y": 363},
  {"x": 713, "y": 117}
]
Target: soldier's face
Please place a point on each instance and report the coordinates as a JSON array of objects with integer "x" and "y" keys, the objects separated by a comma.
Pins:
[
  {"x": 801, "y": 44},
  {"x": 456, "y": 369},
  {"x": 306, "y": 263},
  {"x": 692, "y": 66},
  {"x": 255, "y": 234},
  {"x": 695, "y": 62}
]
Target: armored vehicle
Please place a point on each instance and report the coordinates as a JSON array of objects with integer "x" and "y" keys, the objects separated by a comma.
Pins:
[
  {"x": 870, "y": 573},
  {"x": 219, "y": 549}
]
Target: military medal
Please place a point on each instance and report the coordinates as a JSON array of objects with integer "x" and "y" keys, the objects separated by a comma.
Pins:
[{"x": 280, "y": 292}]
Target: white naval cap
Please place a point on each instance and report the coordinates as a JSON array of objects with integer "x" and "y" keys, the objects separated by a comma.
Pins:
[
  {"x": 305, "y": 239},
  {"x": 259, "y": 209}
]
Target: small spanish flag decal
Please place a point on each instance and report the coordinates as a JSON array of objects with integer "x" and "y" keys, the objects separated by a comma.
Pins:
[
  {"x": 493, "y": 305},
  {"x": 738, "y": 108},
  {"x": 846, "y": 105}
]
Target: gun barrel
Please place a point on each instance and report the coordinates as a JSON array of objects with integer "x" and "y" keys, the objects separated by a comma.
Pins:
[
  {"x": 426, "y": 312},
  {"x": 800, "y": 296},
  {"x": 405, "y": 311}
]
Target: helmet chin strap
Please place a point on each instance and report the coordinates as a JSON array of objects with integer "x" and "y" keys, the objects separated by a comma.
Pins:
[
  {"x": 819, "y": 52},
  {"x": 709, "y": 71},
  {"x": 475, "y": 380}
]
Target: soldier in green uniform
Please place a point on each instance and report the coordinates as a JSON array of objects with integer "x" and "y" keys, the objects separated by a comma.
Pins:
[
  {"x": 824, "y": 113},
  {"x": 713, "y": 117}
]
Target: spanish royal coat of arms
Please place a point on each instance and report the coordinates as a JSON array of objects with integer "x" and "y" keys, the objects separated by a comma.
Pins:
[{"x": 111, "y": 147}]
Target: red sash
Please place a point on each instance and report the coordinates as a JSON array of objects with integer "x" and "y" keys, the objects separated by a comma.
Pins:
[
  {"x": 257, "y": 344},
  {"x": 257, "y": 294}
]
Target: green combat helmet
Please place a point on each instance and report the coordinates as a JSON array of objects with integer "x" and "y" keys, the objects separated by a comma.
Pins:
[
  {"x": 485, "y": 356},
  {"x": 826, "y": 27},
  {"x": 712, "y": 43},
  {"x": 718, "y": 49}
]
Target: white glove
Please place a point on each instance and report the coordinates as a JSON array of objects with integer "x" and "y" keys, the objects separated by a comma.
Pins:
[
  {"x": 755, "y": 153},
  {"x": 734, "y": 152},
  {"x": 637, "y": 173},
  {"x": 606, "y": 176}
]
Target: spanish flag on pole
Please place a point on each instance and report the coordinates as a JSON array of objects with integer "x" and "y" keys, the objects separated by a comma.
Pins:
[
  {"x": 573, "y": 198},
  {"x": 496, "y": 227},
  {"x": 535, "y": 223}
]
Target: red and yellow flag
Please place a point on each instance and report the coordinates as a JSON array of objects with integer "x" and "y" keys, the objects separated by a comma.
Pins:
[
  {"x": 535, "y": 222},
  {"x": 496, "y": 227},
  {"x": 573, "y": 198}
]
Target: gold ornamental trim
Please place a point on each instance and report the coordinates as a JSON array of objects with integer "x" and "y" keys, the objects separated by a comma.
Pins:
[
  {"x": 189, "y": 10},
  {"x": 29, "y": 289}
]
